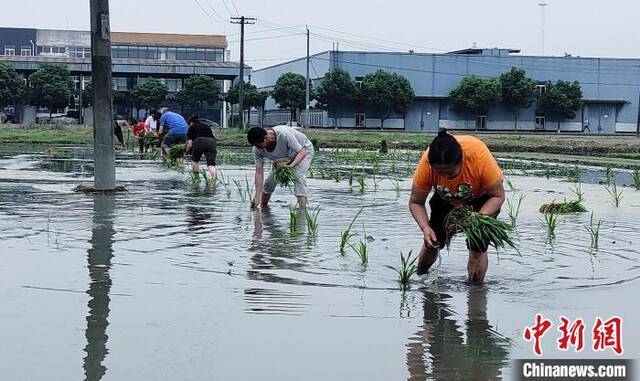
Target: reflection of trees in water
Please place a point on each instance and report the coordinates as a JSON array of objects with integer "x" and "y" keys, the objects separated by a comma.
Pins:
[
  {"x": 67, "y": 166},
  {"x": 197, "y": 219},
  {"x": 99, "y": 258},
  {"x": 441, "y": 350}
]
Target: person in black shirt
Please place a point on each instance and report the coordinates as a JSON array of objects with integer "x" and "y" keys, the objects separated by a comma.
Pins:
[{"x": 200, "y": 140}]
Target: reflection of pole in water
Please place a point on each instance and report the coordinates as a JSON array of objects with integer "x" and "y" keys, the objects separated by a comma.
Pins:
[
  {"x": 439, "y": 349},
  {"x": 99, "y": 258}
]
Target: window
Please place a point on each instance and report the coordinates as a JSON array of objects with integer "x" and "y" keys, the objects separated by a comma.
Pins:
[
  {"x": 200, "y": 54},
  {"x": 540, "y": 123},
  {"x": 361, "y": 120},
  {"x": 181, "y": 54},
  {"x": 25, "y": 50},
  {"x": 120, "y": 83},
  {"x": 77, "y": 52},
  {"x": 541, "y": 89},
  {"x": 134, "y": 52},
  {"x": 481, "y": 122},
  {"x": 171, "y": 53},
  {"x": 359, "y": 81},
  {"x": 191, "y": 54},
  {"x": 9, "y": 50}
]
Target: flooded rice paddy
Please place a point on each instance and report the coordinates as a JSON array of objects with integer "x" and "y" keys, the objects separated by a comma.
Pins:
[{"x": 170, "y": 281}]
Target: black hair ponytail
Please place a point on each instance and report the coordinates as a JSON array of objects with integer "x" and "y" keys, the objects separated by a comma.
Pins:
[{"x": 444, "y": 149}]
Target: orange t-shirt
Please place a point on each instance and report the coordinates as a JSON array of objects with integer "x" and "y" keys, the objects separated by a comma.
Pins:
[{"x": 479, "y": 171}]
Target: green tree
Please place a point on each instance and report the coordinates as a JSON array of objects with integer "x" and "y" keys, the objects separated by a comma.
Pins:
[
  {"x": 12, "y": 88},
  {"x": 475, "y": 95},
  {"x": 290, "y": 92},
  {"x": 518, "y": 92},
  {"x": 197, "y": 90},
  {"x": 51, "y": 86},
  {"x": 561, "y": 100},
  {"x": 251, "y": 97},
  {"x": 151, "y": 93},
  {"x": 336, "y": 90},
  {"x": 386, "y": 92}
]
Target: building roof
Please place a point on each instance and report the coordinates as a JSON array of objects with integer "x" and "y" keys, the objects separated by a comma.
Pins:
[
  {"x": 168, "y": 39},
  {"x": 481, "y": 50}
]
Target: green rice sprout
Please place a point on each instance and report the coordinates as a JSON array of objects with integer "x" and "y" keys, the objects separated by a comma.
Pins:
[
  {"x": 310, "y": 172},
  {"x": 150, "y": 141},
  {"x": 346, "y": 235},
  {"x": 551, "y": 223},
  {"x": 351, "y": 177},
  {"x": 362, "y": 249},
  {"x": 547, "y": 171},
  {"x": 176, "y": 153},
  {"x": 479, "y": 229},
  {"x": 575, "y": 175},
  {"x": 616, "y": 195},
  {"x": 578, "y": 192},
  {"x": 249, "y": 188},
  {"x": 150, "y": 154},
  {"x": 243, "y": 196},
  {"x": 566, "y": 207},
  {"x": 608, "y": 177},
  {"x": 284, "y": 175},
  {"x": 312, "y": 221},
  {"x": 195, "y": 177},
  {"x": 362, "y": 183},
  {"x": 510, "y": 184},
  {"x": 636, "y": 178},
  {"x": 407, "y": 268},
  {"x": 396, "y": 185},
  {"x": 293, "y": 222},
  {"x": 594, "y": 232},
  {"x": 337, "y": 176},
  {"x": 225, "y": 184},
  {"x": 513, "y": 208}
]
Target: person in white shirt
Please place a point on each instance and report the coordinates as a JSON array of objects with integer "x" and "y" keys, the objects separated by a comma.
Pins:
[{"x": 152, "y": 122}]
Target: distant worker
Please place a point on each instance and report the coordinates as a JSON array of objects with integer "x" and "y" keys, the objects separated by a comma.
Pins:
[
  {"x": 117, "y": 131},
  {"x": 280, "y": 144},
  {"x": 152, "y": 121},
  {"x": 200, "y": 141},
  {"x": 462, "y": 171},
  {"x": 174, "y": 128},
  {"x": 139, "y": 130}
]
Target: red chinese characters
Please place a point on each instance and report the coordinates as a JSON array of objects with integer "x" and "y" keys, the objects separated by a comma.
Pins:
[
  {"x": 536, "y": 332},
  {"x": 571, "y": 335},
  {"x": 608, "y": 334}
]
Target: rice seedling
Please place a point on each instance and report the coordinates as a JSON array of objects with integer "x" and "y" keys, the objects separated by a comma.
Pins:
[
  {"x": 608, "y": 175},
  {"x": 636, "y": 178},
  {"x": 284, "y": 175},
  {"x": 551, "y": 222},
  {"x": 352, "y": 175},
  {"x": 225, "y": 184},
  {"x": 396, "y": 185},
  {"x": 151, "y": 154},
  {"x": 346, "y": 235},
  {"x": 249, "y": 188},
  {"x": 513, "y": 209},
  {"x": 407, "y": 268},
  {"x": 575, "y": 175},
  {"x": 616, "y": 195},
  {"x": 243, "y": 196},
  {"x": 479, "y": 229},
  {"x": 594, "y": 232},
  {"x": 58, "y": 152},
  {"x": 578, "y": 192},
  {"x": 376, "y": 181},
  {"x": 176, "y": 153},
  {"x": 510, "y": 184},
  {"x": 547, "y": 171},
  {"x": 195, "y": 177},
  {"x": 362, "y": 183},
  {"x": 337, "y": 176},
  {"x": 293, "y": 222},
  {"x": 310, "y": 172},
  {"x": 312, "y": 221},
  {"x": 362, "y": 248},
  {"x": 567, "y": 207}
]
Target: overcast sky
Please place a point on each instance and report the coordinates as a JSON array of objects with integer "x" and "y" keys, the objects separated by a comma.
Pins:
[{"x": 579, "y": 27}]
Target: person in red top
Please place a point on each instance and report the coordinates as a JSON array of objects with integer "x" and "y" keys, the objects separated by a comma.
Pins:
[
  {"x": 138, "y": 131},
  {"x": 461, "y": 171}
]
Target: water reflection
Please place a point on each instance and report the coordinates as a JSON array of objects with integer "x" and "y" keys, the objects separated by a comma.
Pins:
[
  {"x": 99, "y": 258},
  {"x": 198, "y": 219},
  {"x": 442, "y": 350}
]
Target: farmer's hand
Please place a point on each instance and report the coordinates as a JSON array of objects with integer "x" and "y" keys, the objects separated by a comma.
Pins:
[{"x": 430, "y": 238}]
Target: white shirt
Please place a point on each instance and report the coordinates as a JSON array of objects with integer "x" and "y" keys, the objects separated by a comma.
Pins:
[{"x": 151, "y": 124}]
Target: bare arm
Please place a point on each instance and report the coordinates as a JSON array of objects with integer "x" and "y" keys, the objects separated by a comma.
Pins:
[
  {"x": 300, "y": 155},
  {"x": 258, "y": 183},
  {"x": 496, "y": 199},
  {"x": 418, "y": 210},
  {"x": 189, "y": 144}
]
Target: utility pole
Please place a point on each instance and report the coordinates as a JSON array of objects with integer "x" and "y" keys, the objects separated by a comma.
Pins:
[
  {"x": 543, "y": 4},
  {"x": 104, "y": 153},
  {"x": 242, "y": 20},
  {"x": 306, "y": 121}
]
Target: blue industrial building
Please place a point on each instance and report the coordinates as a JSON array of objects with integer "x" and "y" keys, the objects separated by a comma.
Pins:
[{"x": 611, "y": 89}]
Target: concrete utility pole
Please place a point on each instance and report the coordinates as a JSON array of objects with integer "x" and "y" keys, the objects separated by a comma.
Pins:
[
  {"x": 306, "y": 122},
  {"x": 104, "y": 153},
  {"x": 242, "y": 20},
  {"x": 543, "y": 4}
]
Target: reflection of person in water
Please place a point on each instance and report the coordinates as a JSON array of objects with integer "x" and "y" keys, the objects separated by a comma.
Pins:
[
  {"x": 99, "y": 258},
  {"x": 439, "y": 351},
  {"x": 462, "y": 171}
]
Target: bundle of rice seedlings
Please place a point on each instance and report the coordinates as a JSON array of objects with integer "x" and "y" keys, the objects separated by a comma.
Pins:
[
  {"x": 176, "y": 152},
  {"x": 574, "y": 206},
  {"x": 479, "y": 229},
  {"x": 150, "y": 140},
  {"x": 284, "y": 175}
]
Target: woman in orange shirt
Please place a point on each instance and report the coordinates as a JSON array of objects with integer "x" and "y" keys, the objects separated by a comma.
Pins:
[{"x": 462, "y": 171}]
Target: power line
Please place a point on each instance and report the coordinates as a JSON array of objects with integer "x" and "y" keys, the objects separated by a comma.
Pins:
[
  {"x": 234, "y": 7},
  {"x": 267, "y": 30},
  {"x": 205, "y": 11},
  {"x": 269, "y": 37},
  {"x": 226, "y": 6},
  {"x": 214, "y": 10}
]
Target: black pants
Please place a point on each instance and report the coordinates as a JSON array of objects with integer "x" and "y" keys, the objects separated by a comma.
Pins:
[
  {"x": 206, "y": 146},
  {"x": 439, "y": 211},
  {"x": 117, "y": 130},
  {"x": 141, "y": 144}
]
